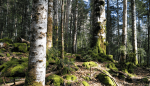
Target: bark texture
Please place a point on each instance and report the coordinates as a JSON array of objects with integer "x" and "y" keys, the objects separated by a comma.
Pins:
[
  {"x": 37, "y": 54},
  {"x": 134, "y": 35},
  {"x": 50, "y": 24},
  {"x": 99, "y": 29},
  {"x": 62, "y": 32},
  {"x": 124, "y": 31}
]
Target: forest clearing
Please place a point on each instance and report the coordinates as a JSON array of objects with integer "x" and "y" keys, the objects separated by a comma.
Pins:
[{"x": 74, "y": 43}]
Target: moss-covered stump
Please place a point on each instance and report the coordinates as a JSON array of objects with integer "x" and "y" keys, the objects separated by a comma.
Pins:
[
  {"x": 106, "y": 79},
  {"x": 89, "y": 64},
  {"x": 85, "y": 83},
  {"x": 20, "y": 47},
  {"x": 55, "y": 79},
  {"x": 112, "y": 66}
]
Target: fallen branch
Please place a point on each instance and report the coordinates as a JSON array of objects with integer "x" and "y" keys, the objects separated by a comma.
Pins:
[{"x": 22, "y": 40}]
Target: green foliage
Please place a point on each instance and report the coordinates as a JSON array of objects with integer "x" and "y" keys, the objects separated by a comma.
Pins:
[
  {"x": 105, "y": 79},
  {"x": 85, "y": 83},
  {"x": 21, "y": 47},
  {"x": 7, "y": 54},
  {"x": 89, "y": 64},
  {"x": 55, "y": 79},
  {"x": 142, "y": 54},
  {"x": 132, "y": 58}
]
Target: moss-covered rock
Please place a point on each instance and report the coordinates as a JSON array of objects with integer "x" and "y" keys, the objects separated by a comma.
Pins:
[
  {"x": 20, "y": 47},
  {"x": 66, "y": 70},
  {"x": 145, "y": 80},
  {"x": 89, "y": 64},
  {"x": 106, "y": 79},
  {"x": 112, "y": 66},
  {"x": 85, "y": 83},
  {"x": 71, "y": 77},
  {"x": 55, "y": 79}
]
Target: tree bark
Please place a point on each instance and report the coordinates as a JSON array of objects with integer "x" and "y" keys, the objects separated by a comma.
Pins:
[
  {"x": 62, "y": 33},
  {"x": 134, "y": 35},
  {"x": 37, "y": 54},
  {"x": 50, "y": 24},
  {"x": 124, "y": 31}
]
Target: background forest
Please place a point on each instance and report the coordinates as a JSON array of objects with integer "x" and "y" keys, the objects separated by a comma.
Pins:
[{"x": 73, "y": 28}]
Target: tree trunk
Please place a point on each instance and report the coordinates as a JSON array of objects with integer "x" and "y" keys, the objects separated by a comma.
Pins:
[
  {"x": 56, "y": 21},
  {"x": 148, "y": 35},
  {"x": 99, "y": 30},
  {"x": 124, "y": 32},
  {"x": 37, "y": 54},
  {"x": 108, "y": 27},
  {"x": 134, "y": 35},
  {"x": 118, "y": 30},
  {"x": 67, "y": 24},
  {"x": 50, "y": 24},
  {"x": 75, "y": 27},
  {"x": 62, "y": 33}
]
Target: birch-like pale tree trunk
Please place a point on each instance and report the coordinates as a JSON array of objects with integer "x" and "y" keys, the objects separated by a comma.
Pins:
[
  {"x": 99, "y": 32},
  {"x": 118, "y": 56},
  {"x": 37, "y": 54},
  {"x": 50, "y": 25},
  {"x": 124, "y": 31},
  {"x": 134, "y": 35},
  {"x": 62, "y": 32}
]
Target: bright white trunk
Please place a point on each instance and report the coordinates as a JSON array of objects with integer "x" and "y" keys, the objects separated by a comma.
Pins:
[{"x": 37, "y": 54}]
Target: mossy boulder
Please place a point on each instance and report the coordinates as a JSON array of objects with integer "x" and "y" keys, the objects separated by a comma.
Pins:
[
  {"x": 55, "y": 79},
  {"x": 85, "y": 83},
  {"x": 106, "y": 79},
  {"x": 112, "y": 66},
  {"x": 86, "y": 78},
  {"x": 70, "y": 77},
  {"x": 89, "y": 64},
  {"x": 20, "y": 47},
  {"x": 66, "y": 70}
]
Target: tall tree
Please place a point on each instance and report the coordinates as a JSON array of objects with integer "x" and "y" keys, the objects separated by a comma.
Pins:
[
  {"x": 124, "y": 31},
  {"x": 75, "y": 27},
  {"x": 134, "y": 35},
  {"x": 62, "y": 32},
  {"x": 37, "y": 54},
  {"x": 99, "y": 30},
  {"x": 50, "y": 24},
  {"x": 148, "y": 35}
]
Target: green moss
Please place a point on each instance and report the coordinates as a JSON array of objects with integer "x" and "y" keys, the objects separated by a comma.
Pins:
[
  {"x": 56, "y": 80},
  {"x": 71, "y": 77},
  {"x": 7, "y": 54},
  {"x": 87, "y": 78},
  {"x": 132, "y": 58},
  {"x": 105, "y": 79},
  {"x": 85, "y": 83},
  {"x": 89, "y": 64},
  {"x": 21, "y": 47},
  {"x": 112, "y": 66}
]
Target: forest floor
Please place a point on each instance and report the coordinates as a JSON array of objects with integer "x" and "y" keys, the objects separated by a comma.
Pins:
[{"x": 139, "y": 72}]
